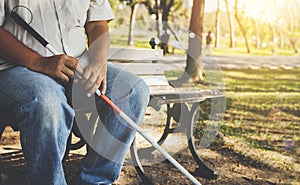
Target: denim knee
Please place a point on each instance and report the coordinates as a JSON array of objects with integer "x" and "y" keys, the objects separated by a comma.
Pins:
[
  {"x": 141, "y": 93},
  {"x": 49, "y": 109}
]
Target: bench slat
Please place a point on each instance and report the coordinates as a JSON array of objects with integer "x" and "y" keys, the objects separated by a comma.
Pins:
[
  {"x": 134, "y": 54},
  {"x": 158, "y": 80},
  {"x": 143, "y": 68}
]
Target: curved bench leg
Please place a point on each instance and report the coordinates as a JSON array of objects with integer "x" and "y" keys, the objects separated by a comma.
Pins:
[{"x": 203, "y": 170}]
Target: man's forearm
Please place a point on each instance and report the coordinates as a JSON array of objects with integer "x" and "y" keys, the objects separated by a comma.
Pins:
[
  {"x": 98, "y": 39},
  {"x": 96, "y": 30},
  {"x": 94, "y": 73},
  {"x": 14, "y": 51}
]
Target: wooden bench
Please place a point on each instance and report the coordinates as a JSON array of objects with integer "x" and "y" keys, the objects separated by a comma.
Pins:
[{"x": 182, "y": 103}]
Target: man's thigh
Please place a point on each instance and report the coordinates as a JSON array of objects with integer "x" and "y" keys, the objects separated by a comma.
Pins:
[{"x": 19, "y": 86}]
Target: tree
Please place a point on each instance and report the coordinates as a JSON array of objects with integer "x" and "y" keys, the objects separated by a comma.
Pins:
[
  {"x": 161, "y": 9},
  {"x": 193, "y": 70},
  {"x": 257, "y": 43},
  {"x": 166, "y": 7},
  {"x": 134, "y": 7},
  {"x": 243, "y": 30},
  {"x": 231, "y": 25},
  {"x": 292, "y": 16},
  {"x": 217, "y": 25}
]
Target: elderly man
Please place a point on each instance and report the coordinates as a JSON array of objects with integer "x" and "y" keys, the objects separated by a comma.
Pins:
[{"x": 32, "y": 90}]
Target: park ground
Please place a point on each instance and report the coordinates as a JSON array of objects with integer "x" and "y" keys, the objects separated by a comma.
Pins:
[{"x": 258, "y": 141}]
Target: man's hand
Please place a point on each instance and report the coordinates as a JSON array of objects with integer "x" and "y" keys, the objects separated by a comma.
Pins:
[
  {"x": 58, "y": 66},
  {"x": 94, "y": 76}
]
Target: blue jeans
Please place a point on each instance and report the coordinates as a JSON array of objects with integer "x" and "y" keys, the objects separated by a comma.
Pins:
[{"x": 41, "y": 112}]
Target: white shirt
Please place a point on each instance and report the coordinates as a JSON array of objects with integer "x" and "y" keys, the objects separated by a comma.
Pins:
[{"x": 60, "y": 22}]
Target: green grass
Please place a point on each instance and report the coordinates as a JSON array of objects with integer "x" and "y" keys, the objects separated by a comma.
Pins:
[
  {"x": 263, "y": 113},
  {"x": 263, "y": 80},
  {"x": 266, "y": 100},
  {"x": 141, "y": 40},
  {"x": 257, "y": 52},
  {"x": 263, "y": 116}
]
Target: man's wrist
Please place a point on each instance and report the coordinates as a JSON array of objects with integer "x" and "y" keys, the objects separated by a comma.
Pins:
[{"x": 34, "y": 63}]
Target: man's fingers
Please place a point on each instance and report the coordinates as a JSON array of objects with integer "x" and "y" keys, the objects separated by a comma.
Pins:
[
  {"x": 79, "y": 69},
  {"x": 103, "y": 86},
  {"x": 92, "y": 78},
  {"x": 73, "y": 64},
  {"x": 85, "y": 77},
  {"x": 65, "y": 66},
  {"x": 63, "y": 77},
  {"x": 68, "y": 72},
  {"x": 95, "y": 86},
  {"x": 91, "y": 82}
]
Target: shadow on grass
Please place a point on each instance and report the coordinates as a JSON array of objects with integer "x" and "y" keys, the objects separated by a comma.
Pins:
[
  {"x": 240, "y": 159},
  {"x": 284, "y": 145}
]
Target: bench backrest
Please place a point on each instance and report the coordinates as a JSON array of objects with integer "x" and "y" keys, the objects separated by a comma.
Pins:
[{"x": 141, "y": 62}]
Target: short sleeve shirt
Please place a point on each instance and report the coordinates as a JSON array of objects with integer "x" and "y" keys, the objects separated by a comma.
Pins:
[{"x": 60, "y": 22}]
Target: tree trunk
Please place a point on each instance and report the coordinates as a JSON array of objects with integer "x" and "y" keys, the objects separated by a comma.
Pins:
[
  {"x": 193, "y": 70},
  {"x": 293, "y": 42},
  {"x": 273, "y": 27},
  {"x": 156, "y": 11},
  {"x": 273, "y": 38},
  {"x": 194, "y": 59},
  {"x": 165, "y": 15},
  {"x": 217, "y": 24},
  {"x": 231, "y": 25},
  {"x": 134, "y": 7},
  {"x": 241, "y": 27},
  {"x": 258, "y": 40}
]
